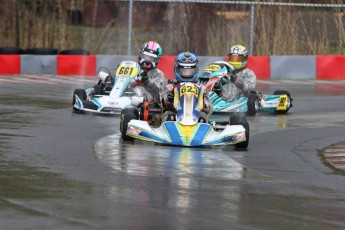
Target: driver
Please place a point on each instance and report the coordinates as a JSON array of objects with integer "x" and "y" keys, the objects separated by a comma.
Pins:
[
  {"x": 186, "y": 70},
  {"x": 151, "y": 78},
  {"x": 104, "y": 85},
  {"x": 243, "y": 78}
]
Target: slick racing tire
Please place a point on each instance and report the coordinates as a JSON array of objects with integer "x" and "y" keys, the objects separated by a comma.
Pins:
[
  {"x": 127, "y": 115},
  {"x": 252, "y": 104},
  {"x": 81, "y": 94},
  {"x": 289, "y": 102},
  {"x": 240, "y": 119}
]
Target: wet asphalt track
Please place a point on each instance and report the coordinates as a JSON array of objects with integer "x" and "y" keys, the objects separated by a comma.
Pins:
[{"x": 63, "y": 170}]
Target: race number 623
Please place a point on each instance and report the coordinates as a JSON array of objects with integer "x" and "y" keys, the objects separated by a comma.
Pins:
[{"x": 188, "y": 89}]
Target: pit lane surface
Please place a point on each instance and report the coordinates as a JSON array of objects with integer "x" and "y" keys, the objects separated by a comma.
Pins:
[{"x": 64, "y": 170}]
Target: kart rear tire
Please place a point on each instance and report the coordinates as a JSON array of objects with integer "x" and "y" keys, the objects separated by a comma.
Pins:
[
  {"x": 240, "y": 119},
  {"x": 284, "y": 92},
  {"x": 252, "y": 104},
  {"x": 81, "y": 93},
  {"x": 127, "y": 115}
]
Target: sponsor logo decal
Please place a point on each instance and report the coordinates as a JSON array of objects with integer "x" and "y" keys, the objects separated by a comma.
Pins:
[{"x": 132, "y": 130}]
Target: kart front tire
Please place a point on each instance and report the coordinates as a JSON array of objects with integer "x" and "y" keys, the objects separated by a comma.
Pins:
[
  {"x": 81, "y": 93},
  {"x": 127, "y": 115},
  {"x": 252, "y": 104},
  {"x": 284, "y": 92},
  {"x": 240, "y": 119}
]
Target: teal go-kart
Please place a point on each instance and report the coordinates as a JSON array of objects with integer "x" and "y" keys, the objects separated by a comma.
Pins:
[
  {"x": 250, "y": 103},
  {"x": 186, "y": 128},
  {"x": 113, "y": 96}
]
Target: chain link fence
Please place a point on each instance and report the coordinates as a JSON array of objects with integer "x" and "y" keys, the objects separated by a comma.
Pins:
[{"x": 207, "y": 28}]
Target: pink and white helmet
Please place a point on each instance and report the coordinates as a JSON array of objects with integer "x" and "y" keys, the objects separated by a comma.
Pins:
[{"x": 149, "y": 55}]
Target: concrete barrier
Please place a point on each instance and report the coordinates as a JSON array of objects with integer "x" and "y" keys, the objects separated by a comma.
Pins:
[
  {"x": 330, "y": 67},
  {"x": 38, "y": 64},
  {"x": 10, "y": 64},
  {"x": 84, "y": 65},
  {"x": 293, "y": 67},
  {"x": 266, "y": 67}
]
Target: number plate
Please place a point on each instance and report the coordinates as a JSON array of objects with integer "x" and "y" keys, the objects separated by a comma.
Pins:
[
  {"x": 189, "y": 89},
  {"x": 282, "y": 102}
]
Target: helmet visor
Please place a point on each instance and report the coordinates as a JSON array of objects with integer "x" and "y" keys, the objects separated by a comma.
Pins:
[
  {"x": 237, "y": 58},
  {"x": 148, "y": 57},
  {"x": 187, "y": 72}
]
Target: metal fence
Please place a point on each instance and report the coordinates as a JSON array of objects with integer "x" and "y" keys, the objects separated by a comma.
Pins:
[{"x": 203, "y": 27}]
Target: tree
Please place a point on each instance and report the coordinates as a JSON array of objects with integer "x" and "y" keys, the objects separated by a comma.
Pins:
[{"x": 186, "y": 29}]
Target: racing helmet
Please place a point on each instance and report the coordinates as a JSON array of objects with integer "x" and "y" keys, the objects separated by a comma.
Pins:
[
  {"x": 238, "y": 56},
  {"x": 186, "y": 67},
  {"x": 108, "y": 84},
  {"x": 149, "y": 55}
]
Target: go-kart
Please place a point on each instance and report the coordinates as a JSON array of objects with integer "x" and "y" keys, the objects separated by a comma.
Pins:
[
  {"x": 109, "y": 97},
  {"x": 186, "y": 128},
  {"x": 250, "y": 102}
]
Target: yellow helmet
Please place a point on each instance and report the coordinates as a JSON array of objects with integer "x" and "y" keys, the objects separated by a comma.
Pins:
[{"x": 238, "y": 56}]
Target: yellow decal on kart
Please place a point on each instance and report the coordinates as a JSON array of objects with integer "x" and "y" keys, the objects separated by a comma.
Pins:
[
  {"x": 127, "y": 71},
  {"x": 201, "y": 101},
  {"x": 187, "y": 131},
  {"x": 282, "y": 104},
  {"x": 212, "y": 68},
  {"x": 189, "y": 89},
  {"x": 176, "y": 99}
]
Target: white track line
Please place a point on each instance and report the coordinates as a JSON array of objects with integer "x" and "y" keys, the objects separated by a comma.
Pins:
[{"x": 327, "y": 155}]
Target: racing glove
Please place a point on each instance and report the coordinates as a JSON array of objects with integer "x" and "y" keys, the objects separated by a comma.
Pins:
[
  {"x": 136, "y": 83},
  {"x": 135, "y": 101},
  {"x": 144, "y": 78},
  {"x": 170, "y": 97},
  {"x": 224, "y": 80},
  {"x": 233, "y": 78}
]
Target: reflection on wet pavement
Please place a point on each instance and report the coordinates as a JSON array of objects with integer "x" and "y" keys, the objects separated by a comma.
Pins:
[
  {"x": 180, "y": 164},
  {"x": 184, "y": 165},
  {"x": 18, "y": 112},
  {"x": 268, "y": 122},
  {"x": 34, "y": 101},
  {"x": 31, "y": 192}
]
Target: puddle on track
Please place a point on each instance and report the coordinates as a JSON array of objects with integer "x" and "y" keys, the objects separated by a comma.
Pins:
[{"x": 148, "y": 159}]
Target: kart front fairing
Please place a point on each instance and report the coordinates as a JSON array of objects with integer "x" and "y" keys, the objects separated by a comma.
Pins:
[
  {"x": 174, "y": 133},
  {"x": 186, "y": 130}
]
